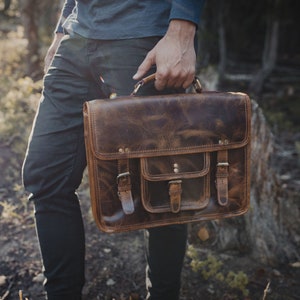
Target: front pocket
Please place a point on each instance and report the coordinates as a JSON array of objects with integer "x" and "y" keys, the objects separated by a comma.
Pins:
[{"x": 175, "y": 183}]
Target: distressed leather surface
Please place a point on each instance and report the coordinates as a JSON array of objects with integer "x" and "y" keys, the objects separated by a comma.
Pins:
[{"x": 170, "y": 147}]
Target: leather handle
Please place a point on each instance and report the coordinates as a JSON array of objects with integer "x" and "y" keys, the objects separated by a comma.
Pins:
[{"x": 196, "y": 84}]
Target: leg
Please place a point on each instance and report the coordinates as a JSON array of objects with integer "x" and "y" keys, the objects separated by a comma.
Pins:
[
  {"x": 166, "y": 250},
  {"x": 53, "y": 169}
]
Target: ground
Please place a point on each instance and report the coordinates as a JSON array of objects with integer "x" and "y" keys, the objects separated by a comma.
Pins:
[{"x": 115, "y": 263}]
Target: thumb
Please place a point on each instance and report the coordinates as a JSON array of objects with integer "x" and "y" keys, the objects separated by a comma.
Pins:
[{"x": 147, "y": 63}]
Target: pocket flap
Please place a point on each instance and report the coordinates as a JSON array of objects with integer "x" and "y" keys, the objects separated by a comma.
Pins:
[{"x": 175, "y": 167}]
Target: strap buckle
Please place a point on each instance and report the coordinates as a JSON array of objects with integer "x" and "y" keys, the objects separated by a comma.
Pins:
[
  {"x": 124, "y": 192},
  {"x": 120, "y": 176},
  {"x": 222, "y": 164}
]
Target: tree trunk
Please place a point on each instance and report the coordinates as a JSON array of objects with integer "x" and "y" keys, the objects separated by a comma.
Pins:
[
  {"x": 267, "y": 232},
  {"x": 28, "y": 14},
  {"x": 6, "y": 5},
  {"x": 222, "y": 41},
  {"x": 269, "y": 53}
]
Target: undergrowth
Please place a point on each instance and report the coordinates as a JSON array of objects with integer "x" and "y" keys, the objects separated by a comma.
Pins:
[{"x": 211, "y": 269}]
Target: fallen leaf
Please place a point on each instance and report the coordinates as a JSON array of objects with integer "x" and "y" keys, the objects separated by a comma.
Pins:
[
  {"x": 295, "y": 264},
  {"x": 203, "y": 234},
  {"x": 2, "y": 280}
]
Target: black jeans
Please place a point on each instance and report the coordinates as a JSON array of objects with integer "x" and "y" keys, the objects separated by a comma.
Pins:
[{"x": 55, "y": 161}]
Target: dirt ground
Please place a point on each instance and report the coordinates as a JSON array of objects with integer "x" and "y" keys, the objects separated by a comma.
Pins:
[
  {"x": 115, "y": 267},
  {"x": 115, "y": 270},
  {"x": 115, "y": 264}
]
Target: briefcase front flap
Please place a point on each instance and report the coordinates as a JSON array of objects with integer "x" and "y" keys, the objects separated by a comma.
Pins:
[{"x": 131, "y": 127}]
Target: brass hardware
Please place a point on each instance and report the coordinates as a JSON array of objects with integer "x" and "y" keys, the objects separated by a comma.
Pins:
[
  {"x": 197, "y": 85},
  {"x": 223, "y": 164},
  {"x": 113, "y": 96},
  {"x": 223, "y": 142},
  {"x": 122, "y": 150},
  {"x": 175, "y": 168},
  {"x": 122, "y": 175}
]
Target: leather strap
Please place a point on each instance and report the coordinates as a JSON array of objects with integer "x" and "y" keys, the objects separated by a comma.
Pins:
[
  {"x": 124, "y": 186},
  {"x": 196, "y": 84},
  {"x": 222, "y": 177},
  {"x": 175, "y": 191}
]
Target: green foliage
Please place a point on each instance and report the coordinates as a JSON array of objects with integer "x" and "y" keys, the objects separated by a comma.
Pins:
[
  {"x": 238, "y": 281},
  {"x": 19, "y": 98},
  {"x": 283, "y": 113},
  {"x": 211, "y": 269},
  {"x": 278, "y": 120},
  {"x": 17, "y": 110}
]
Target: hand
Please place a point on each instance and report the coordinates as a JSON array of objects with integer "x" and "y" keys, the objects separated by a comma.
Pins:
[
  {"x": 52, "y": 50},
  {"x": 174, "y": 56}
]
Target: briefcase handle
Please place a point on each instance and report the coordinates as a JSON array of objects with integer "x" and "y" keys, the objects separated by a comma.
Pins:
[{"x": 196, "y": 84}]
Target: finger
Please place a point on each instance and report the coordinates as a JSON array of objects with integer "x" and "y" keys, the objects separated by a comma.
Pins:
[
  {"x": 161, "y": 80},
  {"x": 176, "y": 80},
  {"x": 147, "y": 63},
  {"x": 188, "y": 80}
]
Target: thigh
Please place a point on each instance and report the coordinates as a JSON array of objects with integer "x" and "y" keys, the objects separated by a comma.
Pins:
[
  {"x": 55, "y": 157},
  {"x": 118, "y": 60}
]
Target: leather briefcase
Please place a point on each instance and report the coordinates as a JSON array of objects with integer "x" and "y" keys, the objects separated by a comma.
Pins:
[{"x": 171, "y": 159}]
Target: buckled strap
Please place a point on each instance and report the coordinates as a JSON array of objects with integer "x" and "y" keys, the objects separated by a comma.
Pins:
[
  {"x": 222, "y": 177},
  {"x": 175, "y": 191},
  {"x": 124, "y": 187}
]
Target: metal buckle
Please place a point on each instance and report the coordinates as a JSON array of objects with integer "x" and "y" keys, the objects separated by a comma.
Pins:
[
  {"x": 197, "y": 85},
  {"x": 125, "y": 174},
  {"x": 223, "y": 164}
]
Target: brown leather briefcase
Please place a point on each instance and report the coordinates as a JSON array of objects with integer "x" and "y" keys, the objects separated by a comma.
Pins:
[{"x": 171, "y": 159}]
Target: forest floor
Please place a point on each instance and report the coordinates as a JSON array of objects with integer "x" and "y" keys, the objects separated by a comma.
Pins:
[{"x": 115, "y": 263}]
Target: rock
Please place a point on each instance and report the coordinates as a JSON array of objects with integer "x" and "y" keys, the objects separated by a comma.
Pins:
[
  {"x": 39, "y": 278},
  {"x": 110, "y": 282},
  {"x": 2, "y": 280},
  {"x": 295, "y": 264}
]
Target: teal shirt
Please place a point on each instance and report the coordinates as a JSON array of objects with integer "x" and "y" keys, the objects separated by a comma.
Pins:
[{"x": 124, "y": 19}]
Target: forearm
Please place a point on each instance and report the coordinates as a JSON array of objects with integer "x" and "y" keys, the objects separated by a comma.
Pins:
[
  {"x": 65, "y": 12},
  {"x": 189, "y": 10},
  {"x": 59, "y": 32},
  {"x": 182, "y": 30}
]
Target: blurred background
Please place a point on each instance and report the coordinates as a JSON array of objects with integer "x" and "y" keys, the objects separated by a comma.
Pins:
[{"x": 247, "y": 46}]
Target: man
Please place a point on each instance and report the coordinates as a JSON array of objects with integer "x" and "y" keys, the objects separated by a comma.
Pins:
[{"x": 102, "y": 45}]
